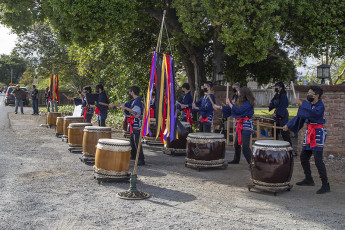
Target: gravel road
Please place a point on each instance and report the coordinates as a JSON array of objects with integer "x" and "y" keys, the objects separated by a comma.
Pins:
[{"x": 44, "y": 186}]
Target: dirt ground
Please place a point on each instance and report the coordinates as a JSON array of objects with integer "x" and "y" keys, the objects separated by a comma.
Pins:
[{"x": 44, "y": 186}]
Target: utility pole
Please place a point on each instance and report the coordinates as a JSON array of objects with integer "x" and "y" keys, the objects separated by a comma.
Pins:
[{"x": 11, "y": 74}]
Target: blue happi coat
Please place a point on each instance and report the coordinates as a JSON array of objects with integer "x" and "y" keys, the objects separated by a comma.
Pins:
[
  {"x": 84, "y": 103},
  {"x": 280, "y": 105},
  {"x": 311, "y": 114},
  {"x": 102, "y": 97},
  {"x": 186, "y": 99},
  {"x": 137, "y": 106},
  {"x": 245, "y": 110},
  {"x": 206, "y": 108}
]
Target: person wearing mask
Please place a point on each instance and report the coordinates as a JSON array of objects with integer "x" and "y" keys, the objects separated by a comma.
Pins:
[
  {"x": 280, "y": 104},
  {"x": 205, "y": 107},
  {"x": 19, "y": 95},
  {"x": 34, "y": 100},
  {"x": 101, "y": 105},
  {"x": 311, "y": 111},
  {"x": 242, "y": 111},
  {"x": 134, "y": 109},
  {"x": 184, "y": 102}
]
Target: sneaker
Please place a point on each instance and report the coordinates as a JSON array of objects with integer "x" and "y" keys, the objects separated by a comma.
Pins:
[
  {"x": 324, "y": 188},
  {"x": 233, "y": 162},
  {"x": 306, "y": 182}
]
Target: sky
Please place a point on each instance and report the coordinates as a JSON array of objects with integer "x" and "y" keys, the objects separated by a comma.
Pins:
[{"x": 7, "y": 40}]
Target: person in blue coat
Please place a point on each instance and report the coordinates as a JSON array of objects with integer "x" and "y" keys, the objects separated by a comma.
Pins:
[
  {"x": 184, "y": 102},
  {"x": 134, "y": 109},
  {"x": 242, "y": 111},
  {"x": 101, "y": 105},
  {"x": 311, "y": 111},
  {"x": 280, "y": 104},
  {"x": 205, "y": 107}
]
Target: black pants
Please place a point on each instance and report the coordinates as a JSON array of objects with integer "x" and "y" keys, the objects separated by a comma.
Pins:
[
  {"x": 320, "y": 165},
  {"x": 204, "y": 127},
  {"x": 285, "y": 135},
  {"x": 88, "y": 118},
  {"x": 134, "y": 140},
  {"x": 101, "y": 122},
  {"x": 245, "y": 147}
]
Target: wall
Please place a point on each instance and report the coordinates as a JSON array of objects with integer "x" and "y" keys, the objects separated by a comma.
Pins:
[{"x": 334, "y": 99}]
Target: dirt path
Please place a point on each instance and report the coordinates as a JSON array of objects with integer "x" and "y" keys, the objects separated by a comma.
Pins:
[{"x": 43, "y": 186}]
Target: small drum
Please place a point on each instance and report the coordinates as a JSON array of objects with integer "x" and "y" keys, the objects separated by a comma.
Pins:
[
  {"x": 112, "y": 160},
  {"x": 59, "y": 126},
  {"x": 178, "y": 147},
  {"x": 126, "y": 133},
  {"x": 90, "y": 139},
  {"x": 75, "y": 134},
  {"x": 272, "y": 163},
  {"x": 205, "y": 150},
  {"x": 68, "y": 120},
  {"x": 51, "y": 118}
]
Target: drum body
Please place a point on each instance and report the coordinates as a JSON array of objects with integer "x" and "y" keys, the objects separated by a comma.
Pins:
[
  {"x": 126, "y": 133},
  {"x": 152, "y": 128},
  {"x": 51, "y": 117},
  {"x": 205, "y": 150},
  {"x": 272, "y": 163},
  {"x": 180, "y": 144},
  {"x": 75, "y": 134},
  {"x": 112, "y": 159},
  {"x": 91, "y": 136},
  {"x": 59, "y": 125},
  {"x": 68, "y": 120}
]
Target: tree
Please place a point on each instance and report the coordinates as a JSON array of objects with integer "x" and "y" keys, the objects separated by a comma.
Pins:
[{"x": 11, "y": 65}]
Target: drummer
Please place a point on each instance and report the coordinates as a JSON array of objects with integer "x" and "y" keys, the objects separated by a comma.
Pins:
[
  {"x": 204, "y": 105},
  {"x": 183, "y": 104},
  {"x": 311, "y": 111},
  {"x": 101, "y": 105},
  {"x": 242, "y": 111},
  {"x": 280, "y": 103},
  {"x": 134, "y": 109}
]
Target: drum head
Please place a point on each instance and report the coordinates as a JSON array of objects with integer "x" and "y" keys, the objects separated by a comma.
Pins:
[
  {"x": 73, "y": 118},
  {"x": 97, "y": 128},
  {"x": 114, "y": 145},
  {"x": 272, "y": 143},
  {"x": 79, "y": 124},
  {"x": 206, "y": 136},
  {"x": 60, "y": 117}
]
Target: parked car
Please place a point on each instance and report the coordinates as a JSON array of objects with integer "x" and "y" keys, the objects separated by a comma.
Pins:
[{"x": 9, "y": 98}]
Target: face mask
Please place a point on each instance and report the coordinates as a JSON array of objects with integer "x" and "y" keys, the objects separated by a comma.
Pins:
[
  {"x": 276, "y": 90},
  {"x": 310, "y": 98},
  {"x": 205, "y": 90},
  {"x": 234, "y": 90}
]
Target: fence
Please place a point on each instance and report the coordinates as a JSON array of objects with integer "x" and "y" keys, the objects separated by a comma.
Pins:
[{"x": 63, "y": 99}]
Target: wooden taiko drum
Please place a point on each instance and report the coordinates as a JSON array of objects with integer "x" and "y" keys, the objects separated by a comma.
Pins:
[
  {"x": 75, "y": 134},
  {"x": 272, "y": 163},
  {"x": 112, "y": 160},
  {"x": 90, "y": 139},
  {"x": 51, "y": 118},
  {"x": 152, "y": 128},
  {"x": 205, "y": 150},
  {"x": 59, "y": 126},
  {"x": 68, "y": 120},
  {"x": 126, "y": 133},
  {"x": 178, "y": 146}
]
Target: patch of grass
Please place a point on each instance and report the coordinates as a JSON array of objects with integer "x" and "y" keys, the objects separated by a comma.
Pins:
[{"x": 266, "y": 113}]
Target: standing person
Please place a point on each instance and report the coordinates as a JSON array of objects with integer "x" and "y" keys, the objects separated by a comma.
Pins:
[
  {"x": 134, "y": 109},
  {"x": 34, "y": 99},
  {"x": 242, "y": 111},
  {"x": 311, "y": 111},
  {"x": 280, "y": 103},
  {"x": 47, "y": 97},
  {"x": 53, "y": 102},
  {"x": 19, "y": 95},
  {"x": 101, "y": 105},
  {"x": 204, "y": 105},
  {"x": 184, "y": 102}
]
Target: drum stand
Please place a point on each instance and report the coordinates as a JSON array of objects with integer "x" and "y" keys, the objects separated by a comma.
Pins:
[
  {"x": 88, "y": 160},
  {"x": 58, "y": 135},
  {"x": 174, "y": 152},
  {"x": 204, "y": 166},
  {"x": 152, "y": 141},
  {"x": 75, "y": 149},
  {"x": 110, "y": 178},
  {"x": 64, "y": 139},
  {"x": 275, "y": 190}
]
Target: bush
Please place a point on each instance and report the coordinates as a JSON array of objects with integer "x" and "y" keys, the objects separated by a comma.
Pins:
[{"x": 65, "y": 110}]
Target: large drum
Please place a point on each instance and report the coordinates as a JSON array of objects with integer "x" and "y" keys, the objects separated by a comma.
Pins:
[
  {"x": 75, "y": 134},
  {"x": 112, "y": 160},
  {"x": 178, "y": 146},
  {"x": 68, "y": 120},
  {"x": 59, "y": 126},
  {"x": 205, "y": 150},
  {"x": 272, "y": 163},
  {"x": 51, "y": 118},
  {"x": 90, "y": 139}
]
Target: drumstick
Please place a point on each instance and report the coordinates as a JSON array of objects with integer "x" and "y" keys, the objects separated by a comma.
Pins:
[
  {"x": 210, "y": 99},
  {"x": 293, "y": 90},
  {"x": 227, "y": 90},
  {"x": 194, "y": 97},
  {"x": 118, "y": 98}
]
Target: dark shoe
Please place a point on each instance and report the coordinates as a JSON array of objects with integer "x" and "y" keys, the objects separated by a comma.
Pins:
[
  {"x": 324, "y": 188},
  {"x": 233, "y": 162},
  {"x": 132, "y": 158},
  {"x": 306, "y": 182},
  {"x": 22, "y": 113},
  {"x": 15, "y": 112},
  {"x": 294, "y": 154},
  {"x": 141, "y": 163}
]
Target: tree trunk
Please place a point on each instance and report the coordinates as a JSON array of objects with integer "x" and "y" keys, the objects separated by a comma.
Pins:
[{"x": 218, "y": 60}]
